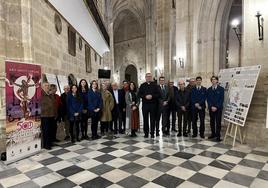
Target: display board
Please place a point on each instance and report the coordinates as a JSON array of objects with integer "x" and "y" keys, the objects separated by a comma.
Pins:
[
  {"x": 63, "y": 81},
  {"x": 52, "y": 79},
  {"x": 23, "y": 95},
  {"x": 240, "y": 84}
]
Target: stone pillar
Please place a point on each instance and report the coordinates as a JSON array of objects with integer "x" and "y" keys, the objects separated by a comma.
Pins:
[
  {"x": 150, "y": 24},
  {"x": 163, "y": 37},
  {"x": 255, "y": 53}
]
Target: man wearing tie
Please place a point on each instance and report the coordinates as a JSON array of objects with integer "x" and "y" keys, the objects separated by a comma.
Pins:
[
  {"x": 163, "y": 107},
  {"x": 198, "y": 99},
  {"x": 215, "y": 98},
  {"x": 149, "y": 94}
]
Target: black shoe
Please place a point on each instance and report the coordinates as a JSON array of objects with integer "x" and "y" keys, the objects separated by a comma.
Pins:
[
  {"x": 56, "y": 140},
  {"x": 194, "y": 136},
  {"x": 211, "y": 137},
  {"x": 202, "y": 136},
  {"x": 218, "y": 140},
  {"x": 174, "y": 130},
  {"x": 86, "y": 137},
  {"x": 152, "y": 136},
  {"x": 47, "y": 148},
  {"x": 146, "y": 136},
  {"x": 78, "y": 140},
  {"x": 102, "y": 133},
  {"x": 73, "y": 141},
  {"x": 185, "y": 134},
  {"x": 157, "y": 134},
  {"x": 179, "y": 134},
  {"x": 67, "y": 138},
  {"x": 167, "y": 133},
  {"x": 115, "y": 132}
]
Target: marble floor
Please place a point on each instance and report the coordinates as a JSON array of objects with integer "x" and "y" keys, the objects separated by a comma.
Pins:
[{"x": 139, "y": 162}]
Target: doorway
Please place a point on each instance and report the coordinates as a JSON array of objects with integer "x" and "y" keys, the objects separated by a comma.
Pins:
[{"x": 131, "y": 74}]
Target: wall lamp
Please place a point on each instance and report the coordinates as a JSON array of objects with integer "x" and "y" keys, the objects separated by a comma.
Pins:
[
  {"x": 260, "y": 25},
  {"x": 180, "y": 61},
  {"x": 235, "y": 26}
]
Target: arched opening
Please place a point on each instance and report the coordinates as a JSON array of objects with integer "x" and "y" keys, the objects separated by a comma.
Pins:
[
  {"x": 234, "y": 31},
  {"x": 131, "y": 74},
  {"x": 129, "y": 44}
]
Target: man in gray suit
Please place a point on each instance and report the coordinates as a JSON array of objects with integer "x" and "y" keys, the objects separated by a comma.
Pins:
[{"x": 163, "y": 107}]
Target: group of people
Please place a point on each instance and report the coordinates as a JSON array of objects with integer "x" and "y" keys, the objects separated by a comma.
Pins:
[{"x": 117, "y": 110}]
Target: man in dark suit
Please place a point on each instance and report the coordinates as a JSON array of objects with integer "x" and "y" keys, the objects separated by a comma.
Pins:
[
  {"x": 119, "y": 108},
  {"x": 163, "y": 108},
  {"x": 172, "y": 105},
  {"x": 215, "y": 98},
  {"x": 182, "y": 103},
  {"x": 189, "y": 87},
  {"x": 198, "y": 100},
  {"x": 149, "y": 94}
]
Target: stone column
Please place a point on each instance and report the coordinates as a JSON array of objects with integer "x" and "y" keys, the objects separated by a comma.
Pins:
[{"x": 255, "y": 53}]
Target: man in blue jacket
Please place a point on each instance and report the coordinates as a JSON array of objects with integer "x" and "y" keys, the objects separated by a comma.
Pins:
[
  {"x": 215, "y": 98},
  {"x": 198, "y": 100}
]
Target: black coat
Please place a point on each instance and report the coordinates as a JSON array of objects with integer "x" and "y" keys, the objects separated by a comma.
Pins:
[
  {"x": 121, "y": 99},
  {"x": 183, "y": 99},
  {"x": 149, "y": 89}
]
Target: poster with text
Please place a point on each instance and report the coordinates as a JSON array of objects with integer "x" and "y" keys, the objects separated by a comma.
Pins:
[
  {"x": 23, "y": 94},
  {"x": 239, "y": 84},
  {"x": 63, "y": 81}
]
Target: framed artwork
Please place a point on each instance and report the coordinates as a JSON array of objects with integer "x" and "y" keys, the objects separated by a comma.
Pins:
[
  {"x": 58, "y": 24},
  {"x": 71, "y": 41},
  {"x": 80, "y": 43},
  {"x": 88, "y": 58}
]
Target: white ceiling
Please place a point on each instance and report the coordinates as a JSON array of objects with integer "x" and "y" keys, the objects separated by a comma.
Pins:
[{"x": 77, "y": 14}]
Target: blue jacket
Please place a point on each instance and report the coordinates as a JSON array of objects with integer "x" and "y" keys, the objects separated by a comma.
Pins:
[
  {"x": 74, "y": 106},
  {"x": 215, "y": 97},
  {"x": 199, "y": 96},
  {"x": 84, "y": 96},
  {"x": 94, "y": 100}
]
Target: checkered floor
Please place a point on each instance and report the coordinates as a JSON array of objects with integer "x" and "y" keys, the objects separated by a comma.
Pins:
[{"x": 138, "y": 162}]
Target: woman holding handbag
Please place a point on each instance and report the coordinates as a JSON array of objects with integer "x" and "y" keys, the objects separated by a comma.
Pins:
[
  {"x": 132, "y": 109},
  {"x": 75, "y": 107},
  {"x": 94, "y": 108}
]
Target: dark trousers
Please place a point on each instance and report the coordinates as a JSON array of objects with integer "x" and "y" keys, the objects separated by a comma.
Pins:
[
  {"x": 149, "y": 109},
  {"x": 46, "y": 123},
  {"x": 54, "y": 128},
  {"x": 105, "y": 126},
  {"x": 123, "y": 121},
  {"x": 84, "y": 124},
  {"x": 201, "y": 114},
  {"x": 117, "y": 118},
  {"x": 74, "y": 125},
  {"x": 94, "y": 123},
  {"x": 215, "y": 123},
  {"x": 189, "y": 120},
  {"x": 182, "y": 117},
  {"x": 173, "y": 120},
  {"x": 164, "y": 112}
]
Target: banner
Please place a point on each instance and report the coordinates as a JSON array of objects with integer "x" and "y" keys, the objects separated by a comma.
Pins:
[
  {"x": 23, "y": 94},
  {"x": 240, "y": 84}
]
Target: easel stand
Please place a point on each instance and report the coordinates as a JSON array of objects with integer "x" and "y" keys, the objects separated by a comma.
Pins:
[{"x": 232, "y": 131}]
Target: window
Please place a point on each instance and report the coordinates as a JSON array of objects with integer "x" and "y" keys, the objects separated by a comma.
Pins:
[
  {"x": 88, "y": 58},
  {"x": 71, "y": 41}
]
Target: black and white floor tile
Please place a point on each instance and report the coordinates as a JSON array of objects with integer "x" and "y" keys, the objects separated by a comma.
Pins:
[{"x": 139, "y": 162}]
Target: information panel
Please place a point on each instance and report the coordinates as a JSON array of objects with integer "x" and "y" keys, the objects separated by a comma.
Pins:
[{"x": 240, "y": 84}]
